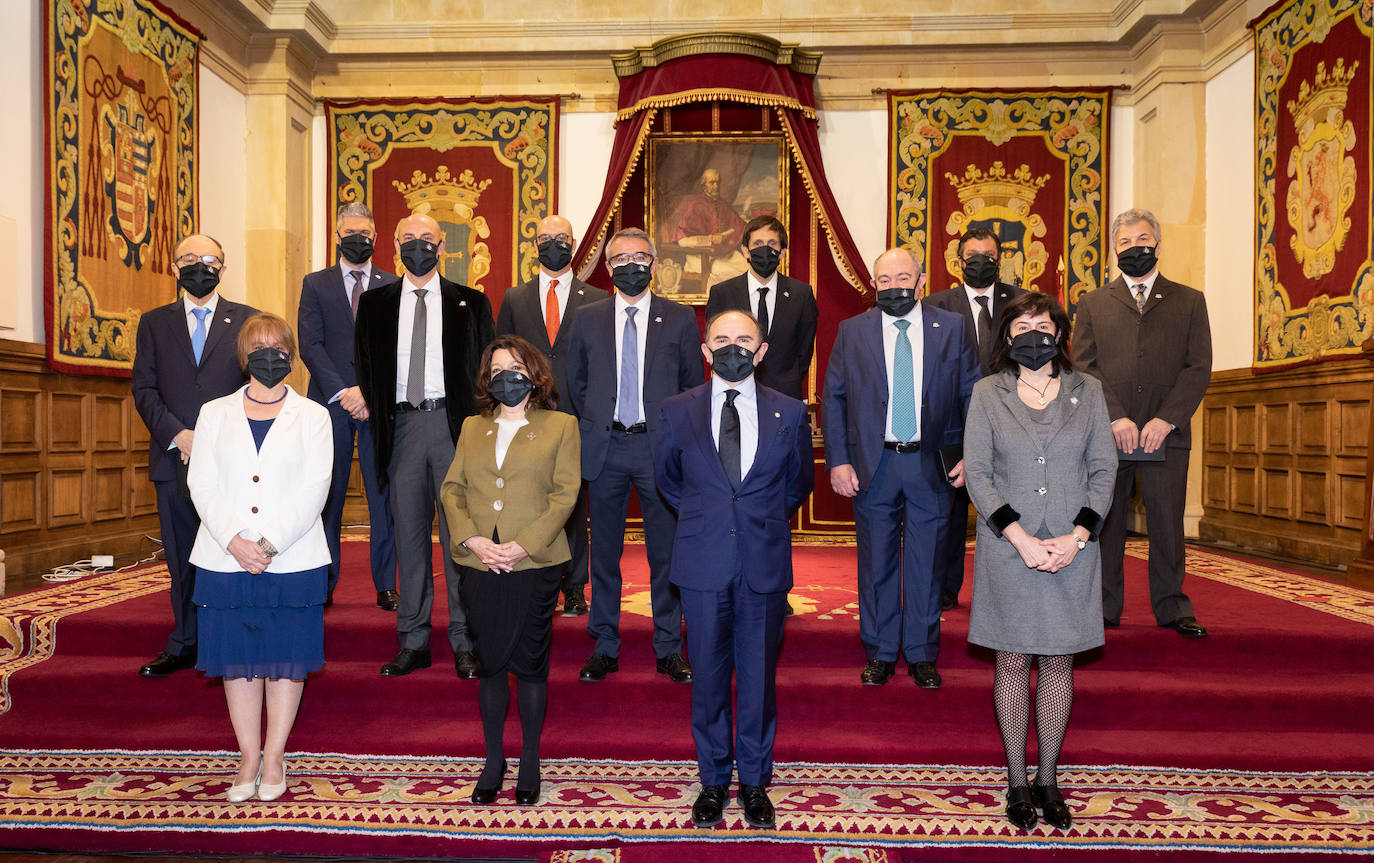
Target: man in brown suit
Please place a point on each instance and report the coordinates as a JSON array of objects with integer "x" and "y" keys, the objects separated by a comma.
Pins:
[{"x": 1147, "y": 339}]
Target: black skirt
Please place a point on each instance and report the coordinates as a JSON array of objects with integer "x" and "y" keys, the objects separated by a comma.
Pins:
[{"x": 510, "y": 617}]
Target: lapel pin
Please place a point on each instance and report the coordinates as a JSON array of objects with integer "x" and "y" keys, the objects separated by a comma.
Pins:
[
  {"x": 530, "y": 435},
  {"x": 777, "y": 415},
  {"x": 462, "y": 303},
  {"x": 226, "y": 320},
  {"x": 936, "y": 325},
  {"x": 1073, "y": 400},
  {"x": 579, "y": 293},
  {"x": 488, "y": 432},
  {"x": 658, "y": 320},
  {"x": 786, "y": 294}
]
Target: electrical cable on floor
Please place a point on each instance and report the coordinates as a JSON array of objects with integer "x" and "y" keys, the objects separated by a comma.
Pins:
[{"x": 87, "y": 566}]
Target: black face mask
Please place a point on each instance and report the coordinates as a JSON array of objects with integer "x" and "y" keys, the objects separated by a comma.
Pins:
[
  {"x": 764, "y": 260},
  {"x": 1033, "y": 349},
  {"x": 896, "y": 301},
  {"x": 355, "y": 248},
  {"x": 509, "y": 387},
  {"x": 198, "y": 279},
  {"x": 732, "y": 363},
  {"x": 980, "y": 271},
  {"x": 1137, "y": 261},
  {"x": 269, "y": 365},
  {"x": 554, "y": 255},
  {"x": 419, "y": 256},
  {"x": 631, "y": 279}
]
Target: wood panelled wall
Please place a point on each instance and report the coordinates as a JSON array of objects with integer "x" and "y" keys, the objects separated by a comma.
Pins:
[
  {"x": 73, "y": 465},
  {"x": 1283, "y": 460}
]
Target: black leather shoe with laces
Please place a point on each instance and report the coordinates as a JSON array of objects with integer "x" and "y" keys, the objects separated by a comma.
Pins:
[
  {"x": 709, "y": 808},
  {"x": 876, "y": 672},
  {"x": 758, "y": 809}
]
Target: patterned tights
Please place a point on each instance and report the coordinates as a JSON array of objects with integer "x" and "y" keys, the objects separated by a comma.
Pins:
[{"x": 1053, "y": 703}]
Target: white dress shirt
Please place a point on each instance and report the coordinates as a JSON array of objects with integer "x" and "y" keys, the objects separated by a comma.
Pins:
[
  {"x": 747, "y": 404},
  {"x": 1148, "y": 283},
  {"x": 973, "y": 295},
  {"x": 642, "y": 329},
  {"x": 916, "y": 336},
  {"x": 564, "y": 286},
  {"x": 211, "y": 303},
  {"x": 770, "y": 299},
  {"x": 505, "y": 433},
  {"x": 434, "y": 337}
]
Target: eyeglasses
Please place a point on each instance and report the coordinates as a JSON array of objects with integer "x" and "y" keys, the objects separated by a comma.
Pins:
[
  {"x": 188, "y": 259},
  {"x": 901, "y": 280},
  {"x": 637, "y": 258},
  {"x": 544, "y": 238}
]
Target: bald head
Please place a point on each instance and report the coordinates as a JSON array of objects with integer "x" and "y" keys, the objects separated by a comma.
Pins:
[
  {"x": 895, "y": 268},
  {"x": 419, "y": 226},
  {"x": 550, "y": 227},
  {"x": 198, "y": 244}
]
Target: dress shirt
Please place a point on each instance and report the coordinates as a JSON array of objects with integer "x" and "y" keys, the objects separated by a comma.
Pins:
[
  {"x": 1148, "y": 283},
  {"x": 642, "y": 330},
  {"x": 916, "y": 335},
  {"x": 434, "y": 337},
  {"x": 505, "y": 433},
  {"x": 747, "y": 404},
  {"x": 188, "y": 304},
  {"x": 564, "y": 287},
  {"x": 770, "y": 299},
  {"x": 973, "y": 295}
]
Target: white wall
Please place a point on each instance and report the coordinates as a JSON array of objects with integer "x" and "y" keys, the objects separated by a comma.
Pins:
[
  {"x": 1120, "y": 166},
  {"x": 854, "y": 152},
  {"x": 224, "y": 182},
  {"x": 1230, "y": 245},
  {"x": 21, "y": 178}
]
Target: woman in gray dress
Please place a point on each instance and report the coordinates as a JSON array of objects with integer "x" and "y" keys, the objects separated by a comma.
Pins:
[{"x": 1040, "y": 463}]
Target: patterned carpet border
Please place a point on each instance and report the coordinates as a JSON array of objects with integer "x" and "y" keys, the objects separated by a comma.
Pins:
[{"x": 596, "y": 801}]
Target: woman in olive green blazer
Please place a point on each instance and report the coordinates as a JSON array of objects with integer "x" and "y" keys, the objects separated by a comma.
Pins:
[{"x": 515, "y": 477}]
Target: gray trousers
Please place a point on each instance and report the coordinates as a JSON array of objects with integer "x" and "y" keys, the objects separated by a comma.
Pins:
[{"x": 421, "y": 452}]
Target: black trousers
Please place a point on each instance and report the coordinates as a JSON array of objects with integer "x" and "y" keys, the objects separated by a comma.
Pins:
[{"x": 1164, "y": 491}]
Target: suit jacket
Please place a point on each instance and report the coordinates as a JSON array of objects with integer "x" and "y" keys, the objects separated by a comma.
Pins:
[
  {"x": 672, "y": 364},
  {"x": 955, "y": 300},
  {"x": 169, "y": 388},
  {"x": 276, "y": 492},
  {"x": 854, "y": 414},
  {"x": 536, "y": 486},
  {"x": 791, "y": 333},
  {"x": 722, "y": 532},
  {"x": 1153, "y": 365},
  {"x": 324, "y": 327},
  {"x": 468, "y": 328},
  {"x": 523, "y": 314}
]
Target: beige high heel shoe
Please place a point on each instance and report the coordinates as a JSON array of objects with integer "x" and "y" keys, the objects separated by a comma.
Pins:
[
  {"x": 244, "y": 792},
  {"x": 269, "y": 792}
]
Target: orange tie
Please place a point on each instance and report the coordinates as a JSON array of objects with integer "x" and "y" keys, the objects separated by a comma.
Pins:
[{"x": 551, "y": 312}]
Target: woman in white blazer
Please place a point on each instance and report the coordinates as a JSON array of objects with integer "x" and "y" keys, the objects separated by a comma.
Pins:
[{"x": 259, "y": 473}]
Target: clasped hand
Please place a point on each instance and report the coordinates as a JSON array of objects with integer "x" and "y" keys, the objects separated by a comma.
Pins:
[
  {"x": 497, "y": 558},
  {"x": 249, "y": 554},
  {"x": 1046, "y": 555}
]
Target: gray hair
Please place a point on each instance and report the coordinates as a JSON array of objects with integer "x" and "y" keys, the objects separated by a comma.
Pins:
[
  {"x": 630, "y": 234},
  {"x": 1130, "y": 217},
  {"x": 354, "y": 210}
]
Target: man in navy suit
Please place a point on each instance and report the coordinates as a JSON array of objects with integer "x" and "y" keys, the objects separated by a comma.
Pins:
[
  {"x": 329, "y": 306},
  {"x": 627, "y": 354},
  {"x": 186, "y": 354},
  {"x": 896, "y": 394},
  {"x": 418, "y": 343},
  {"x": 540, "y": 311},
  {"x": 733, "y": 457},
  {"x": 784, "y": 307},
  {"x": 978, "y": 299}
]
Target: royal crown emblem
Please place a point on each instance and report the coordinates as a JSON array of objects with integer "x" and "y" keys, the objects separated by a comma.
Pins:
[
  {"x": 1322, "y": 176},
  {"x": 1004, "y": 203},
  {"x": 443, "y": 192}
]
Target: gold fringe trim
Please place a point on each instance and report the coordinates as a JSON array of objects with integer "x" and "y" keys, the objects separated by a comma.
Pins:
[
  {"x": 635, "y": 156},
  {"x": 683, "y": 97},
  {"x": 802, "y": 169}
]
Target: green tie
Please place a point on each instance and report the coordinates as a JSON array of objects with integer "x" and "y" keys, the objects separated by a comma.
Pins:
[{"x": 903, "y": 387}]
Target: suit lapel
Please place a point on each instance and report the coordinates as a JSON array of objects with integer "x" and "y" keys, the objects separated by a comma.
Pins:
[
  {"x": 1162, "y": 290},
  {"x": 653, "y": 328},
  {"x": 225, "y": 315},
  {"x": 1014, "y": 405},
  {"x": 933, "y": 342},
  {"x": 770, "y": 422},
  {"x": 181, "y": 333},
  {"x": 701, "y": 430},
  {"x": 535, "y": 309},
  {"x": 873, "y": 344}
]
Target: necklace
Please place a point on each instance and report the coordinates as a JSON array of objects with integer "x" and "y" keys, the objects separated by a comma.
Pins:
[
  {"x": 282, "y": 396},
  {"x": 1040, "y": 393}
]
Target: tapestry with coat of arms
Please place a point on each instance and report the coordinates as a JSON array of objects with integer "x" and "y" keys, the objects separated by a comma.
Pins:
[
  {"x": 1028, "y": 165},
  {"x": 120, "y": 176},
  {"x": 485, "y": 169},
  {"x": 1314, "y": 233}
]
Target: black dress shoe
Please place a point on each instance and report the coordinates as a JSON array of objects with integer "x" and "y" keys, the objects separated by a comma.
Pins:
[
  {"x": 1188, "y": 627},
  {"x": 465, "y": 662},
  {"x": 1020, "y": 807},
  {"x": 924, "y": 674},
  {"x": 406, "y": 661},
  {"x": 676, "y": 668},
  {"x": 574, "y": 603},
  {"x": 876, "y": 672},
  {"x": 167, "y": 664},
  {"x": 709, "y": 808},
  {"x": 948, "y": 599},
  {"x": 484, "y": 796},
  {"x": 1048, "y": 800},
  {"x": 527, "y": 796},
  {"x": 758, "y": 809},
  {"x": 598, "y": 666},
  {"x": 387, "y": 600}
]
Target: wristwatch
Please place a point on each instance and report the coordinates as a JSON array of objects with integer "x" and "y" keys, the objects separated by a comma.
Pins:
[{"x": 1082, "y": 544}]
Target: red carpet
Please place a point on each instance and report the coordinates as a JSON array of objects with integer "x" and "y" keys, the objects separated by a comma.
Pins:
[{"x": 1282, "y": 685}]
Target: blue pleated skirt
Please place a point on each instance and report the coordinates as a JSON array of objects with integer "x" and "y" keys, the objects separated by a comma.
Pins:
[{"x": 266, "y": 625}]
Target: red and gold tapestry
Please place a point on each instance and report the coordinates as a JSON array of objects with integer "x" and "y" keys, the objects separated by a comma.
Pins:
[
  {"x": 120, "y": 176},
  {"x": 1314, "y": 129},
  {"x": 484, "y": 168},
  {"x": 1030, "y": 165}
]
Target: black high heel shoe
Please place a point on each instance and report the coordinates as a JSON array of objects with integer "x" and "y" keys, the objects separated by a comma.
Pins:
[
  {"x": 1048, "y": 800},
  {"x": 1020, "y": 808},
  {"x": 485, "y": 796},
  {"x": 527, "y": 796}
]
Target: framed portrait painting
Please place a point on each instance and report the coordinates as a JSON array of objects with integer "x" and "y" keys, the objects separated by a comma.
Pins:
[{"x": 701, "y": 191}]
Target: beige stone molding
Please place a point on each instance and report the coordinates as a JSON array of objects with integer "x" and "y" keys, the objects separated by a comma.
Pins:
[{"x": 689, "y": 44}]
